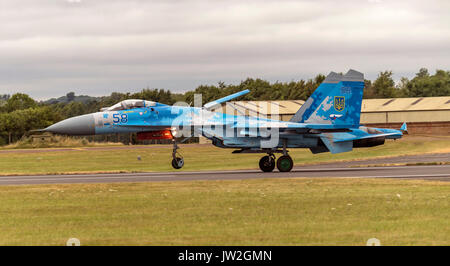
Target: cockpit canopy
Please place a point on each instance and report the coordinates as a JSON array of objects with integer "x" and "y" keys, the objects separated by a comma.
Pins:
[{"x": 129, "y": 104}]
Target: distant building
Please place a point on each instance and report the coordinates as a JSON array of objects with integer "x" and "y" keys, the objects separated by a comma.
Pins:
[{"x": 427, "y": 115}]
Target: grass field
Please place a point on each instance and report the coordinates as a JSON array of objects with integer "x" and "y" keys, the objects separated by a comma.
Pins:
[
  {"x": 335, "y": 211},
  {"x": 249, "y": 212},
  {"x": 197, "y": 157}
]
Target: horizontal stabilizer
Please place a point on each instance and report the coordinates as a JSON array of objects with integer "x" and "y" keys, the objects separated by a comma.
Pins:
[
  {"x": 350, "y": 137},
  {"x": 336, "y": 147}
]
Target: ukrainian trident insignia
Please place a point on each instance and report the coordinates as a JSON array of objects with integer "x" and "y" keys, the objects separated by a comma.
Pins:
[{"x": 339, "y": 103}]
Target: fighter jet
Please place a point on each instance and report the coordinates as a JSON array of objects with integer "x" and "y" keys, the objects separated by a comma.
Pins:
[{"x": 329, "y": 121}]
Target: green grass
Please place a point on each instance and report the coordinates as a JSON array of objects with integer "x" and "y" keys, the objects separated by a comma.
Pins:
[
  {"x": 55, "y": 141},
  {"x": 239, "y": 212},
  {"x": 197, "y": 157}
]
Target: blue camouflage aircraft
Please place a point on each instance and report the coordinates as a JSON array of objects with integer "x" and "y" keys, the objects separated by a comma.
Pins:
[{"x": 329, "y": 121}]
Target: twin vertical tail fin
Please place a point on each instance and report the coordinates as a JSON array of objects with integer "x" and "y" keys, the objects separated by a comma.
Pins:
[{"x": 337, "y": 101}]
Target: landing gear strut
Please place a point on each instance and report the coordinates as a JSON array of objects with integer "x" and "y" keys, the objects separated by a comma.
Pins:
[
  {"x": 177, "y": 161},
  {"x": 285, "y": 163}
]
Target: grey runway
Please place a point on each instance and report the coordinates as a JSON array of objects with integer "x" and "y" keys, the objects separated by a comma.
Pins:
[{"x": 429, "y": 172}]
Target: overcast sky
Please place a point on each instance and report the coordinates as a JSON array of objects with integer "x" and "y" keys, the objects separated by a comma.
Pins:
[{"x": 51, "y": 47}]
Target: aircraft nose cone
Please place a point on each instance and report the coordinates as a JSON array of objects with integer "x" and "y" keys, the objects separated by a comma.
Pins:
[{"x": 79, "y": 125}]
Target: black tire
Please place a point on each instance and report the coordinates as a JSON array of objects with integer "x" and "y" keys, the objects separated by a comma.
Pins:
[
  {"x": 267, "y": 164},
  {"x": 285, "y": 163},
  {"x": 177, "y": 163}
]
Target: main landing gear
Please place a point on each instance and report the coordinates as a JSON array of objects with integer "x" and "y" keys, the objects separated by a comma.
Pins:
[
  {"x": 267, "y": 163},
  {"x": 284, "y": 163}
]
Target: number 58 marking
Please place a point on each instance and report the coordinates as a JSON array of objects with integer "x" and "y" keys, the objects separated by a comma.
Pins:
[{"x": 120, "y": 118}]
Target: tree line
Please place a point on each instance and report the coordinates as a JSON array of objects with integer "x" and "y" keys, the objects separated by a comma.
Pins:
[{"x": 19, "y": 113}]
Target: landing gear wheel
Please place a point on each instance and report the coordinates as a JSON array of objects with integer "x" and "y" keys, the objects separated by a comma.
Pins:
[
  {"x": 285, "y": 163},
  {"x": 177, "y": 163},
  {"x": 267, "y": 163}
]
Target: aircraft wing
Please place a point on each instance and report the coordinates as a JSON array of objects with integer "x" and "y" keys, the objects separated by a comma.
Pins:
[{"x": 218, "y": 102}]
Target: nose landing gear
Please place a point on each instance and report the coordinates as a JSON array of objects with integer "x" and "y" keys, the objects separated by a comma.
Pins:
[{"x": 177, "y": 161}]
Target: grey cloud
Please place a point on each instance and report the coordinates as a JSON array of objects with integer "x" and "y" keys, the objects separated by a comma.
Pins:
[{"x": 48, "y": 47}]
